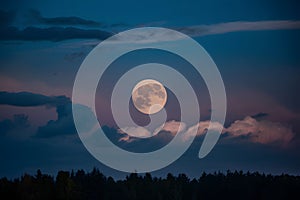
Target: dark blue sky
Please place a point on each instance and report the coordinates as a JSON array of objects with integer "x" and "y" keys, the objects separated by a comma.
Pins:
[{"x": 255, "y": 45}]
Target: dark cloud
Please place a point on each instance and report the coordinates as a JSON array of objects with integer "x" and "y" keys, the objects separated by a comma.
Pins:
[
  {"x": 63, "y": 125},
  {"x": 51, "y": 33},
  {"x": 36, "y": 17},
  {"x": 30, "y": 99},
  {"x": 135, "y": 144},
  {"x": 145, "y": 145},
  {"x": 260, "y": 116},
  {"x": 19, "y": 122},
  {"x": 6, "y": 18},
  {"x": 54, "y": 31}
]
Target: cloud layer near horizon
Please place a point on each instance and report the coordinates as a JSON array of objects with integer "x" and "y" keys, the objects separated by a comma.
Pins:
[
  {"x": 248, "y": 129},
  {"x": 264, "y": 131},
  {"x": 254, "y": 129}
]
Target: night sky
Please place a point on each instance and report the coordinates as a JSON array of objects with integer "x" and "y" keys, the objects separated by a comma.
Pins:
[{"x": 255, "y": 44}]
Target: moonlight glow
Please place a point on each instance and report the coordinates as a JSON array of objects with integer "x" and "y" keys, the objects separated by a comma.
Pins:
[{"x": 149, "y": 96}]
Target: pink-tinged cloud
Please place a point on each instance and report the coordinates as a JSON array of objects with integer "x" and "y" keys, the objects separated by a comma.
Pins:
[
  {"x": 139, "y": 132},
  {"x": 202, "y": 128},
  {"x": 172, "y": 127},
  {"x": 264, "y": 131},
  {"x": 250, "y": 129}
]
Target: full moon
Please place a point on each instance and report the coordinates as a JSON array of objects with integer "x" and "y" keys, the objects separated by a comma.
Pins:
[{"x": 149, "y": 96}]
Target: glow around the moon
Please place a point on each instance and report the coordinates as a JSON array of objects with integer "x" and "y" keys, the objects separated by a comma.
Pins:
[{"x": 149, "y": 96}]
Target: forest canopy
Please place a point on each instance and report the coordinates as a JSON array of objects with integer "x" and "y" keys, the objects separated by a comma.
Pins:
[{"x": 95, "y": 185}]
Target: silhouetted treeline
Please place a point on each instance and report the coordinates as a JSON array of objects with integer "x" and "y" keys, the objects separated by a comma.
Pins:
[{"x": 94, "y": 185}]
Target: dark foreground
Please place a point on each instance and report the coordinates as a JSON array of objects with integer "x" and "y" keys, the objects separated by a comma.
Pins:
[{"x": 94, "y": 185}]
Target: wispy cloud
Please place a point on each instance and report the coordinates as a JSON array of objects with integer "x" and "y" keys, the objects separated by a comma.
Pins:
[
  {"x": 150, "y": 35},
  {"x": 221, "y": 28},
  {"x": 54, "y": 31}
]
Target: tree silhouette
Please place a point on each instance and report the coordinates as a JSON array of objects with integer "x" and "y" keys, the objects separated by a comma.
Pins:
[{"x": 94, "y": 185}]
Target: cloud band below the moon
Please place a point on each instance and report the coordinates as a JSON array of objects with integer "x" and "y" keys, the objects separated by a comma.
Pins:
[{"x": 248, "y": 129}]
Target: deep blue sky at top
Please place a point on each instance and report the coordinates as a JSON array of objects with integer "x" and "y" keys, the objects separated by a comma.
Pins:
[
  {"x": 250, "y": 49},
  {"x": 174, "y": 12}
]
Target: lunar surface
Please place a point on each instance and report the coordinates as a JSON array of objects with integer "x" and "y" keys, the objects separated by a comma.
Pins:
[{"x": 149, "y": 96}]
